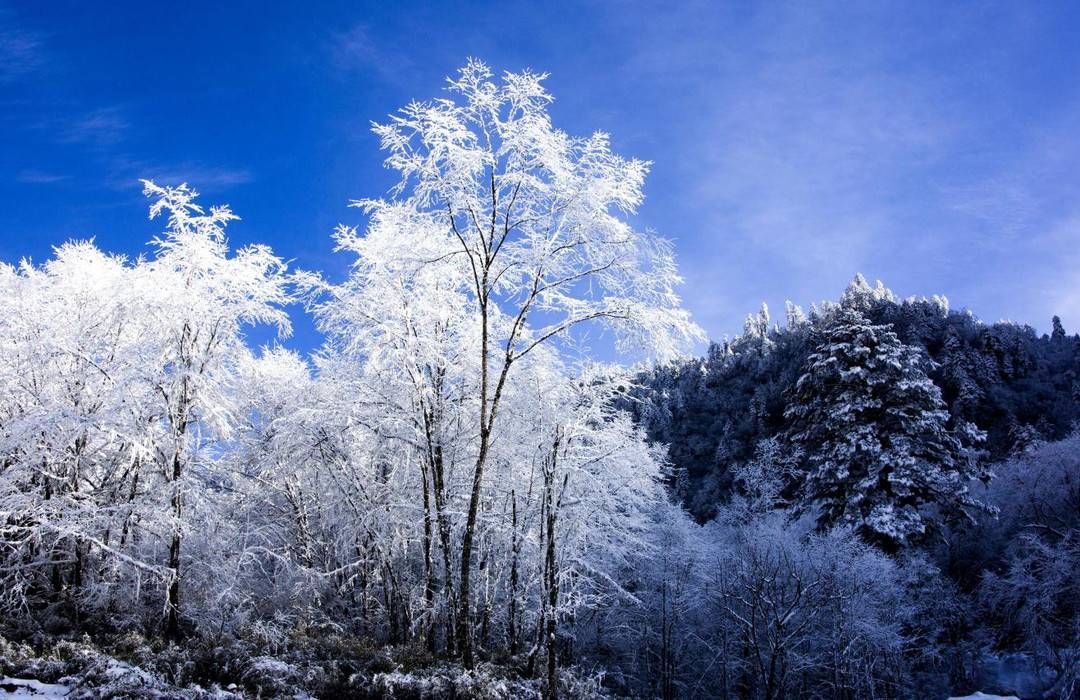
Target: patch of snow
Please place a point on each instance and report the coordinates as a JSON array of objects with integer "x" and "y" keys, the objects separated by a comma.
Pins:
[
  {"x": 984, "y": 696},
  {"x": 29, "y": 688}
]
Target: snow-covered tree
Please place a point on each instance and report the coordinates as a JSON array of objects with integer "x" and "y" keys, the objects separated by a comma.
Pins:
[
  {"x": 763, "y": 480},
  {"x": 876, "y": 433},
  {"x": 1030, "y": 589},
  {"x": 796, "y": 317},
  {"x": 789, "y": 608},
  {"x": 535, "y": 221},
  {"x": 71, "y": 435},
  {"x": 399, "y": 332},
  {"x": 196, "y": 299}
]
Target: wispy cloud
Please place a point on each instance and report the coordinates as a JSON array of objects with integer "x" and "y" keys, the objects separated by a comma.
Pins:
[
  {"x": 100, "y": 128},
  {"x": 816, "y": 141},
  {"x": 1027, "y": 190},
  {"x": 104, "y": 126},
  {"x": 37, "y": 177},
  {"x": 805, "y": 145},
  {"x": 1023, "y": 208},
  {"x": 127, "y": 173},
  {"x": 200, "y": 175},
  {"x": 109, "y": 134},
  {"x": 21, "y": 51},
  {"x": 357, "y": 49}
]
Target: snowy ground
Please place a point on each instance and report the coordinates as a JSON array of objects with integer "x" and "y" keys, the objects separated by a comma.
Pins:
[
  {"x": 28, "y": 688},
  {"x": 24, "y": 688}
]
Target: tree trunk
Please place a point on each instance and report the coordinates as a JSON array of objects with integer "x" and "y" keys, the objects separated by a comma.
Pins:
[
  {"x": 511, "y": 626},
  {"x": 428, "y": 631},
  {"x": 551, "y": 580},
  {"x": 172, "y": 626},
  {"x": 464, "y": 621},
  {"x": 443, "y": 526},
  {"x": 179, "y": 420}
]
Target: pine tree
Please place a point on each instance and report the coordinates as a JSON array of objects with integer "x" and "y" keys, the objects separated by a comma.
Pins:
[
  {"x": 957, "y": 370},
  {"x": 796, "y": 317},
  {"x": 1058, "y": 333},
  {"x": 876, "y": 434}
]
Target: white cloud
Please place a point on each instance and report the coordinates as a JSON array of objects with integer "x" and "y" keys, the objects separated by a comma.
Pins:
[
  {"x": 101, "y": 127},
  {"x": 359, "y": 50},
  {"x": 37, "y": 177},
  {"x": 816, "y": 141},
  {"x": 21, "y": 51},
  {"x": 127, "y": 174}
]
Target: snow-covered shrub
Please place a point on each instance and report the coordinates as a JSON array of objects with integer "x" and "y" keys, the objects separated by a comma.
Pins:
[
  {"x": 941, "y": 627},
  {"x": 87, "y": 672},
  {"x": 1030, "y": 590},
  {"x": 270, "y": 676},
  {"x": 13, "y": 656},
  {"x": 794, "y": 608},
  {"x": 485, "y": 682}
]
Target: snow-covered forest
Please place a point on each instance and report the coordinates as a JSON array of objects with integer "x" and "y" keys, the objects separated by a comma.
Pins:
[{"x": 460, "y": 494}]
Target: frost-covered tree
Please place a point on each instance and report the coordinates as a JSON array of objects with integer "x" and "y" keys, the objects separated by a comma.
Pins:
[
  {"x": 599, "y": 484},
  {"x": 399, "y": 332},
  {"x": 794, "y": 314},
  {"x": 1029, "y": 557},
  {"x": 535, "y": 220},
  {"x": 272, "y": 534},
  {"x": 196, "y": 300},
  {"x": 876, "y": 433},
  {"x": 71, "y": 433},
  {"x": 121, "y": 376},
  {"x": 791, "y": 612},
  {"x": 763, "y": 480}
]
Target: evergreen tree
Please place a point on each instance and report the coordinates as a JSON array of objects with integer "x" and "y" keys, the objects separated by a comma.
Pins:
[
  {"x": 1058, "y": 333},
  {"x": 957, "y": 370},
  {"x": 876, "y": 433}
]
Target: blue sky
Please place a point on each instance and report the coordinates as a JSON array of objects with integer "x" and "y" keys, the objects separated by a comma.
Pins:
[{"x": 935, "y": 146}]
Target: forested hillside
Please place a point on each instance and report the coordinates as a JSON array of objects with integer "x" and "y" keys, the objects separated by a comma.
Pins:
[{"x": 716, "y": 412}]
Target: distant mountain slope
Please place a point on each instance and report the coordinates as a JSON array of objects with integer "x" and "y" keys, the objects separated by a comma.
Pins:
[{"x": 1017, "y": 386}]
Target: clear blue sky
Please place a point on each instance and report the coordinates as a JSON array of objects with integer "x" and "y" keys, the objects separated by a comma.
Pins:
[{"x": 933, "y": 145}]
